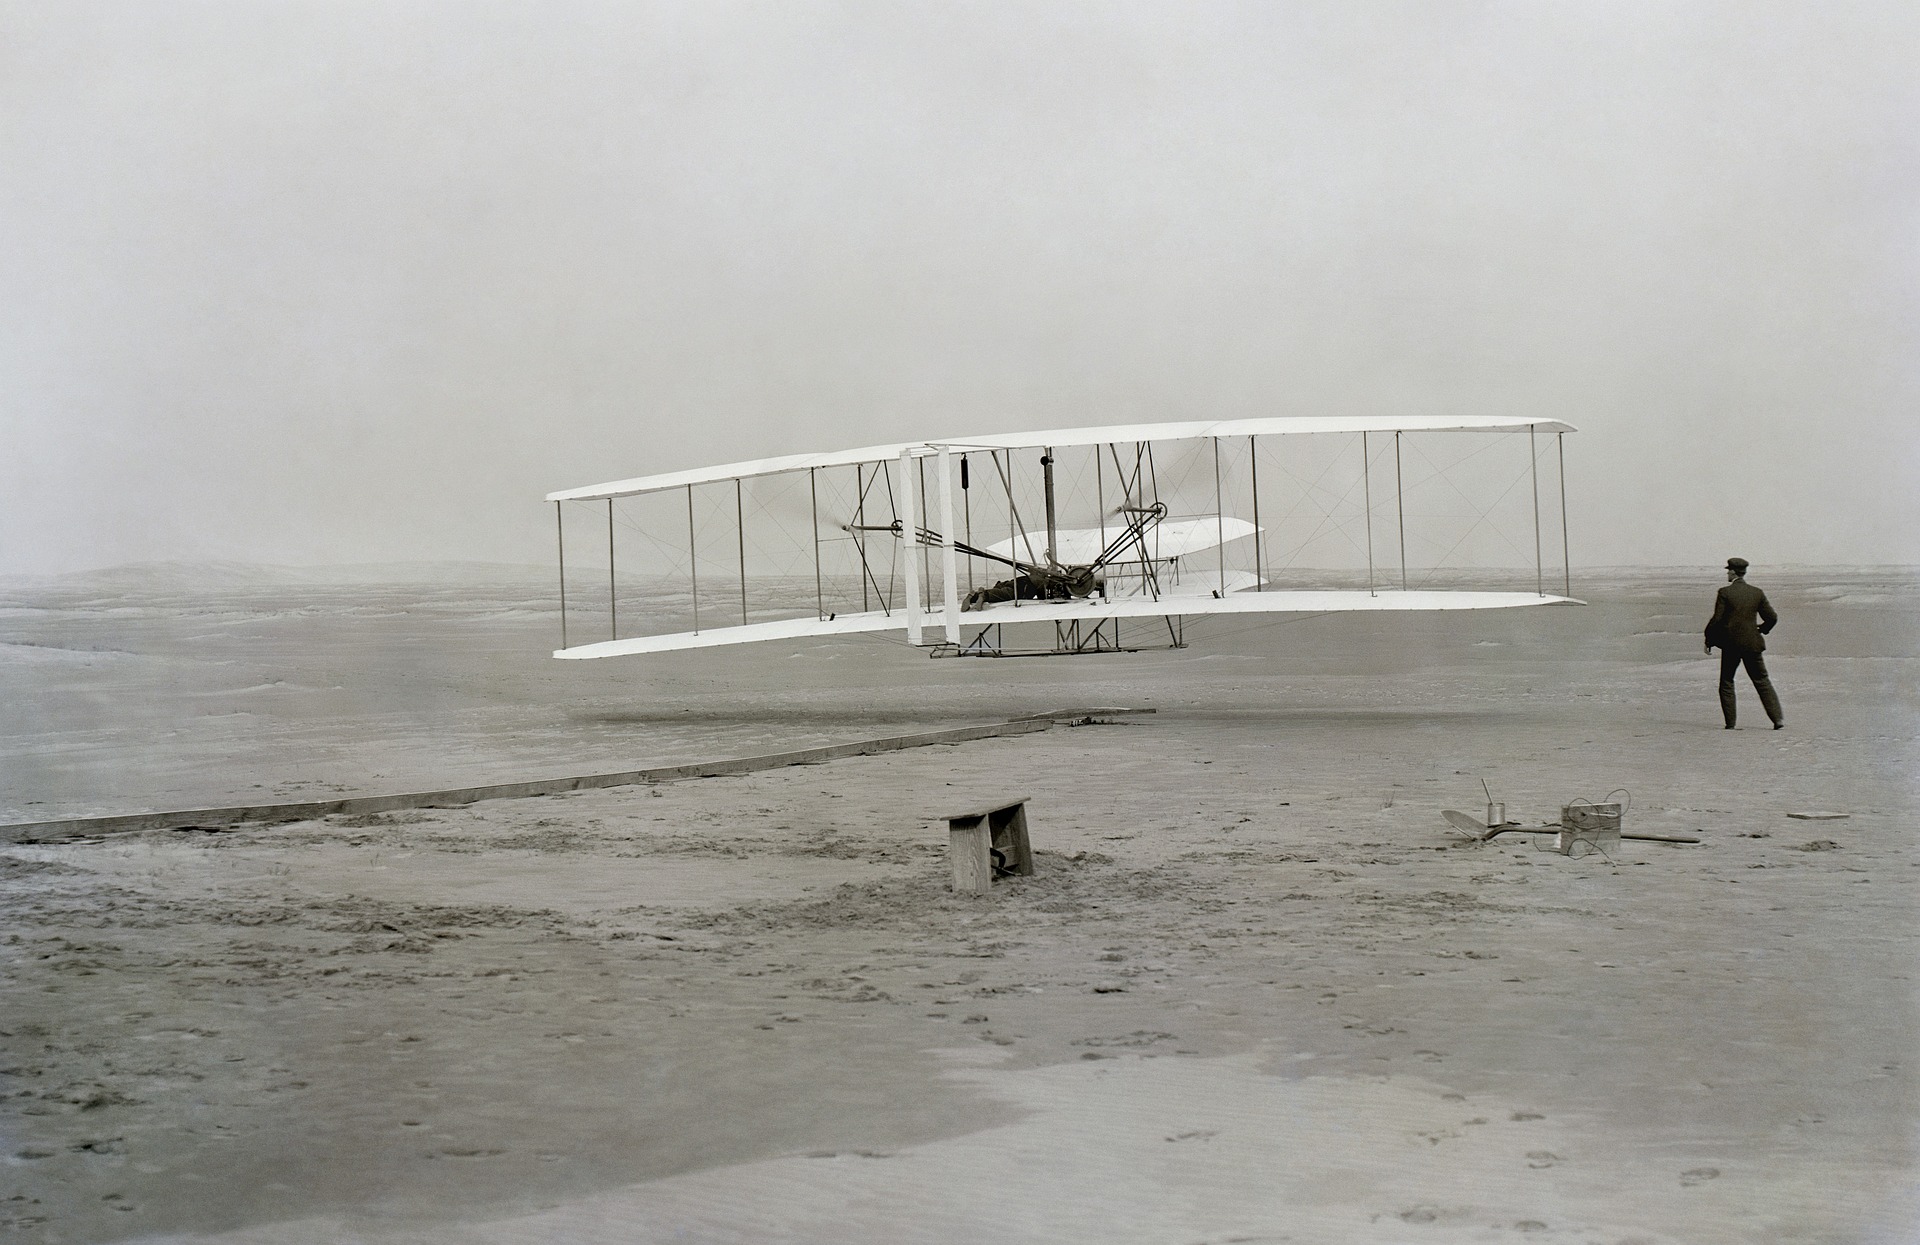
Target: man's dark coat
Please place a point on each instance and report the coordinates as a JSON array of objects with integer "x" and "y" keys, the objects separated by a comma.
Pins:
[{"x": 1733, "y": 625}]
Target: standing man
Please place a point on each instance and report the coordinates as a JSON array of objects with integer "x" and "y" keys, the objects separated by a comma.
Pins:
[{"x": 1734, "y": 631}]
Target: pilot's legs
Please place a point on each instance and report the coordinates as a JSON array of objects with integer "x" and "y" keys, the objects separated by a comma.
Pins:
[
  {"x": 1729, "y": 663},
  {"x": 1769, "y": 700}
]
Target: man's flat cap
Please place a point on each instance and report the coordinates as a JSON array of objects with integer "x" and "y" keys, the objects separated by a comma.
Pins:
[{"x": 1736, "y": 564}]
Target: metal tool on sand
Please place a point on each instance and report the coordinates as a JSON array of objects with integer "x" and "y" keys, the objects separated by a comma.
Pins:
[{"x": 1469, "y": 825}]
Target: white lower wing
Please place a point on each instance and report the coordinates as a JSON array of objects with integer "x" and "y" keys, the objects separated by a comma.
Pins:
[{"x": 1091, "y": 609}]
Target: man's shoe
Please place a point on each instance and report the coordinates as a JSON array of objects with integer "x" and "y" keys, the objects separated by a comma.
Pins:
[
  {"x": 1779, "y": 726},
  {"x": 1730, "y": 726}
]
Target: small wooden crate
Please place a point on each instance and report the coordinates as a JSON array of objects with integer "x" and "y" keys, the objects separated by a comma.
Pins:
[
  {"x": 988, "y": 842},
  {"x": 1596, "y": 825}
]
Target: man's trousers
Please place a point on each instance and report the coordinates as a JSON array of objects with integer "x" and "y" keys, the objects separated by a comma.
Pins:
[{"x": 1731, "y": 659}]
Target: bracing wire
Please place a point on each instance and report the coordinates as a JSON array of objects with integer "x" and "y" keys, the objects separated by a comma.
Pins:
[{"x": 1480, "y": 517}]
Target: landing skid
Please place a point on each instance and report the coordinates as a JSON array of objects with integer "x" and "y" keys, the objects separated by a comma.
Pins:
[{"x": 1070, "y": 639}]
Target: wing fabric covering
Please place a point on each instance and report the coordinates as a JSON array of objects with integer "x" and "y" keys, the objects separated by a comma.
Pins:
[
  {"x": 1062, "y": 437},
  {"x": 1090, "y": 610}
]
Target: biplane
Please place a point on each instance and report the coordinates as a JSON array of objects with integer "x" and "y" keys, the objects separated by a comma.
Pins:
[{"x": 1099, "y": 539}]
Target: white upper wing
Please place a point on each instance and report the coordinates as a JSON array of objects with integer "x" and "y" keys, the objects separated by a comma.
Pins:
[{"x": 1059, "y": 437}]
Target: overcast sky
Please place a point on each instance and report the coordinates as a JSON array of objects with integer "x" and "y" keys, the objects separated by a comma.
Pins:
[{"x": 346, "y": 282}]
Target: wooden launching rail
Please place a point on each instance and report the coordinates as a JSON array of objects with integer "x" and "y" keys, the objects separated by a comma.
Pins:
[{"x": 455, "y": 797}]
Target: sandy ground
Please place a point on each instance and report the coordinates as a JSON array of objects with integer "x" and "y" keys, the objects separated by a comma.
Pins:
[{"x": 1257, "y": 991}]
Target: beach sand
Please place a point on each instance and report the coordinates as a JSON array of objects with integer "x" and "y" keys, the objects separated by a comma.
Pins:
[{"x": 1255, "y": 991}]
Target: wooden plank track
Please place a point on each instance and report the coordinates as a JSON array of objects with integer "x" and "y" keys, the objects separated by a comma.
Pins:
[{"x": 130, "y": 823}]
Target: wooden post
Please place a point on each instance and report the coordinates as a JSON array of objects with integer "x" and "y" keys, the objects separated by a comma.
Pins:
[
  {"x": 740, "y": 529},
  {"x": 949, "y": 572},
  {"x": 910, "y": 534},
  {"x": 1100, "y": 497},
  {"x": 1253, "y": 466},
  {"x": 693, "y": 561},
  {"x": 859, "y": 537},
  {"x": 1533, "y": 467},
  {"x": 1013, "y": 523},
  {"x": 1219, "y": 519},
  {"x": 1366, "y": 477},
  {"x": 1400, "y": 507},
  {"x": 1566, "y": 557},
  {"x": 926, "y": 567},
  {"x": 813, "y": 501},
  {"x": 1046, "y": 472},
  {"x": 966, "y": 508},
  {"x": 560, "y": 530}
]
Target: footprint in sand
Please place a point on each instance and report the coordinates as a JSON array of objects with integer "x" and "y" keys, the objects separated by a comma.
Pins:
[
  {"x": 1698, "y": 1175},
  {"x": 104, "y": 1145}
]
